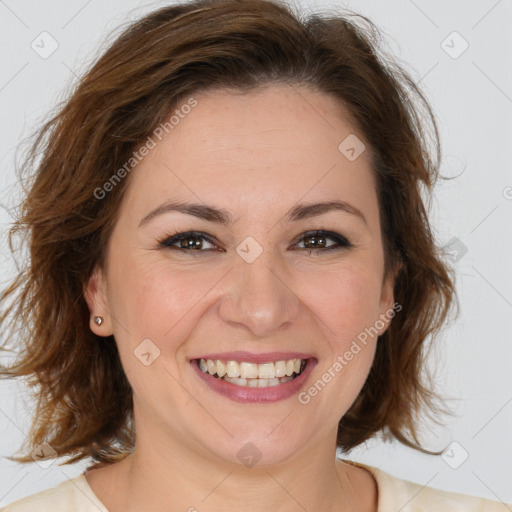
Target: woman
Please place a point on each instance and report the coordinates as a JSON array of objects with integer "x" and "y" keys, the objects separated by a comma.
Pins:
[{"x": 232, "y": 272}]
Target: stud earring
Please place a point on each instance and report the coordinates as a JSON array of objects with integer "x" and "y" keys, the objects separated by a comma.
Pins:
[{"x": 98, "y": 320}]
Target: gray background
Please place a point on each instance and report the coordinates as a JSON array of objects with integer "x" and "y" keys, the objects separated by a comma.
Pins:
[{"x": 471, "y": 92}]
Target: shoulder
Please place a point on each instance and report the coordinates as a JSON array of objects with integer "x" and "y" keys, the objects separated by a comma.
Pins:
[
  {"x": 73, "y": 495},
  {"x": 398, "y": 494}
]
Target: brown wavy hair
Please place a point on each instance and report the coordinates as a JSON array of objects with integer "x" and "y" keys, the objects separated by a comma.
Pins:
[{"x": 84, "y": 400}]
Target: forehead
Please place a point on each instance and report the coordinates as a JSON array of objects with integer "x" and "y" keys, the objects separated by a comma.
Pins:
[
  {"x": 269, "y": 119},
  {"x": 279, "y": 143}
]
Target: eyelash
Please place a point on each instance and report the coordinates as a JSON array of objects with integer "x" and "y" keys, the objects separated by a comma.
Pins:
[{"x": 341, "y": 242}]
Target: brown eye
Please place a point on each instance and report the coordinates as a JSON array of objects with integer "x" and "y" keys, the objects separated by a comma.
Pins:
[
  {"x": 189, "y": 241},
  {"x": 323, "y": 241}
]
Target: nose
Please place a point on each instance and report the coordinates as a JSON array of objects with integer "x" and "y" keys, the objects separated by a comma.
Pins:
[{"x": 259, "y": 298}]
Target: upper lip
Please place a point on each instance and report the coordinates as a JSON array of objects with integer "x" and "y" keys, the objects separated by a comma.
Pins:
[{"x": 250, "y": 357}]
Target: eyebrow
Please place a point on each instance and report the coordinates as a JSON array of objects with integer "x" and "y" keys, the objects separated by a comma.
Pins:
[{"x": 212, "y": 214}]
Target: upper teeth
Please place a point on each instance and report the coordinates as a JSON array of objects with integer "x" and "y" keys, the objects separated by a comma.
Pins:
[{"x": 251, "y": 370}]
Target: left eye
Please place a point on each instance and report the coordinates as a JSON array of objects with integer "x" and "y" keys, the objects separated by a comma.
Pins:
[{"x": 318, "y": 240}]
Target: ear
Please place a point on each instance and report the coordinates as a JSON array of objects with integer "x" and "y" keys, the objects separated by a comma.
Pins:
[
  {"x": 387, "y": 306},
  {"x": 97, "y": 300}
]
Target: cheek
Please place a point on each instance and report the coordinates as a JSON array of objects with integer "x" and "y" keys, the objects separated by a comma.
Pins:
[
  {"x": 346, "y": 306},
  {"x": 158, "y": 301},
  {"x": 346, "y": 301}
]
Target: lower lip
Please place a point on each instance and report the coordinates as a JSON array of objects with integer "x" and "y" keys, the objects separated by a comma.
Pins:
[{"x": 247, "y": 395}]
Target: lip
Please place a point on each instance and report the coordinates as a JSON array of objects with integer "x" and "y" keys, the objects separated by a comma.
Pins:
[
  {"x": 248, "y": 395},
  {"x": 249, "y": 357}
]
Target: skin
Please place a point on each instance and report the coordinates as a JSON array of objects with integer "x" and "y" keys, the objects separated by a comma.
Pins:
[{"x": 255, "y": 155}]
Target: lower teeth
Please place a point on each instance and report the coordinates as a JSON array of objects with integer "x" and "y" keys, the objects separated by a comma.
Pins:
[{"x": 258, "y": 383}]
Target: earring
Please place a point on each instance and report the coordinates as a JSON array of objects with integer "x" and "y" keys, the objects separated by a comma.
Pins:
[{"x": 98, "y": 320}]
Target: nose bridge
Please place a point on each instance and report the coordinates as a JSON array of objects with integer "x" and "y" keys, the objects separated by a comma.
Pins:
[{"x": 258, "y": 297}]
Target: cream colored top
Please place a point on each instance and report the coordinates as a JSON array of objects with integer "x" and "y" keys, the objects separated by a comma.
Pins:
[{"x": 395, "y": 495}]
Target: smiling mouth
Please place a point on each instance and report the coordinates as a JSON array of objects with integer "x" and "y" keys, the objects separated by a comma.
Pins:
[{"x": 253, "y": 375}]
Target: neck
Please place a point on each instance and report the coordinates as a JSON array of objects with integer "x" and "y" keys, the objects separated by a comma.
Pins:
[{"x": 159, "y": 479}]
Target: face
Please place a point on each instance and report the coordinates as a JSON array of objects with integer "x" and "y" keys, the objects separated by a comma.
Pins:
[{"x": 258, "y": 276}]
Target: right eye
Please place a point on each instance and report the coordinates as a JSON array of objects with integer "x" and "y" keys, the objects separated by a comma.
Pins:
[{"x": 190, "y": 241}]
